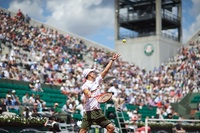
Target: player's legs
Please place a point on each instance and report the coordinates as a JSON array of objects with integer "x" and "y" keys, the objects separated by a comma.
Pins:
[{"x": 103, "y": 121}]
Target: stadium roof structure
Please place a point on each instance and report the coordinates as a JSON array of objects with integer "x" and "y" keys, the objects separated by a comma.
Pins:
[{"x": 141, "y": 15}]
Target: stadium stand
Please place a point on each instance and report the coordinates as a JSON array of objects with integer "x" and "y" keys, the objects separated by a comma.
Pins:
[{"x": 36, "y": 53}]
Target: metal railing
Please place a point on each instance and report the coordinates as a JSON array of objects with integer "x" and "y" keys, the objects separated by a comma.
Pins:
[
  {"x": 131, "y": 35},
  {"x": 145, "y": 16}
]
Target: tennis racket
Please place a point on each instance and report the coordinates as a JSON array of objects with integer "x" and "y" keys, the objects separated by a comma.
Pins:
[{"x": 104, "y": 97}]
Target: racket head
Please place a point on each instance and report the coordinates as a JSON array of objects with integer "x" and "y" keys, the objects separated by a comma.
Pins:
[{"x": 103, "y": 98}]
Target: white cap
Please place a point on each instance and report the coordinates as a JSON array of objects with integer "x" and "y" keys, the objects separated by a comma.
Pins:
[
  {"x": 135, "y": 112},
  {"x": 13, "y": 91},
  {"x": 87, "y": 71}
]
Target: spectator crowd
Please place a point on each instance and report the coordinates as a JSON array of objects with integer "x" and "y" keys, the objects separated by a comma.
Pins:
[{"x": 42, "y": 55}]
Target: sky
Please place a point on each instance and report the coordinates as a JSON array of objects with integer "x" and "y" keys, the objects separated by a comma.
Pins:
[{"x": 92, "y": 19}]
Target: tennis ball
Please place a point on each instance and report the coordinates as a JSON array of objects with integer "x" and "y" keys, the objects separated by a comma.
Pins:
[{"x": 124, "y": 40}]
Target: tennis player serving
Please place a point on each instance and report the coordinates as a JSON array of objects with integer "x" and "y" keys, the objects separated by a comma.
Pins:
[{"x": 92, "y": 110}]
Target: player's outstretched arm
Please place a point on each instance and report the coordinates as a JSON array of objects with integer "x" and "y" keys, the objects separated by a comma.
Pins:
[{"x": 109, "y": 65}]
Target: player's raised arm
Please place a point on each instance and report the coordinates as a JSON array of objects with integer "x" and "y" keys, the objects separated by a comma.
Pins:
[{"x": 109, "y": 65}]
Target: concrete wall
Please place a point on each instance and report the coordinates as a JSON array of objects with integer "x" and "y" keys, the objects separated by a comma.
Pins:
[
  {"x": 168, "y": 49},
  {"x": 133, "y": 51}
]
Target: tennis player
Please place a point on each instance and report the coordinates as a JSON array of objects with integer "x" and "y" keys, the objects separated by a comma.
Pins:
[{"x": 92, "y": 111}]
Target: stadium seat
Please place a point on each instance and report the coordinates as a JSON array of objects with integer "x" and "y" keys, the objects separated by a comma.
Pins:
[
  {"x": 77, "y": 116},
  {"x": 197, "y": 115},
  {"x": 195, "y": 100},
  {"x": 2, "y": 84},
  {"x": 102, "y": 106},
  {"x": 131, "y": 107},
  {"x": 14, "y": 111}
]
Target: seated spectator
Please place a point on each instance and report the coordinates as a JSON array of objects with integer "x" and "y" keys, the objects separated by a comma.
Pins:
[
  {"x": 3, "y": 107},
  {"x": 72, "y": 106},
  {"x": 159, "y": 111},
  {"x": 178, "y": 128},
  {"x": 35, "y": 110},
  {"x": 8, "y": 93},
  {"x": 13, "y": 95},
  {"x": 119, "y": 101},
  {"x": 16, "y": 103},
  {"x": 44, "y": 108},
  {"x": 26, "y": 113},
  {"x": 169, "y": 110},
  {"x": 80, "y": 107},
  {"x": 43, "y": 111},
  {"x": 175, "y": 115},
  {"x": 32, "y": 99},
  {"x": 65, "y": 89},
  {"x": 31, "y": 85},
  {"x": 25, "y": 99},
  {"x": 9, "y": 102},
  {"x": 69, "y": 107},
  {"x": 37, "y": 86},
  {"x": 55, "y": 109},
  {"x": 38, "y": 100},
  {"x": 66, "y": 109},
  {"x": 135, "y": 116},
  {"x": 114, "y": 89}
]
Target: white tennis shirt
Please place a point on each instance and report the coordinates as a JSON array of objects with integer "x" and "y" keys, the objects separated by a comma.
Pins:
[{"x": 93, "y": 87}]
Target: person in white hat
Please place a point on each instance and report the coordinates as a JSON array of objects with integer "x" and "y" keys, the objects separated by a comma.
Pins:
[
  {"x": 13, "y": 95},
  {"x": 92, "y": 110},
  {"x": 37, "y": 86}
]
